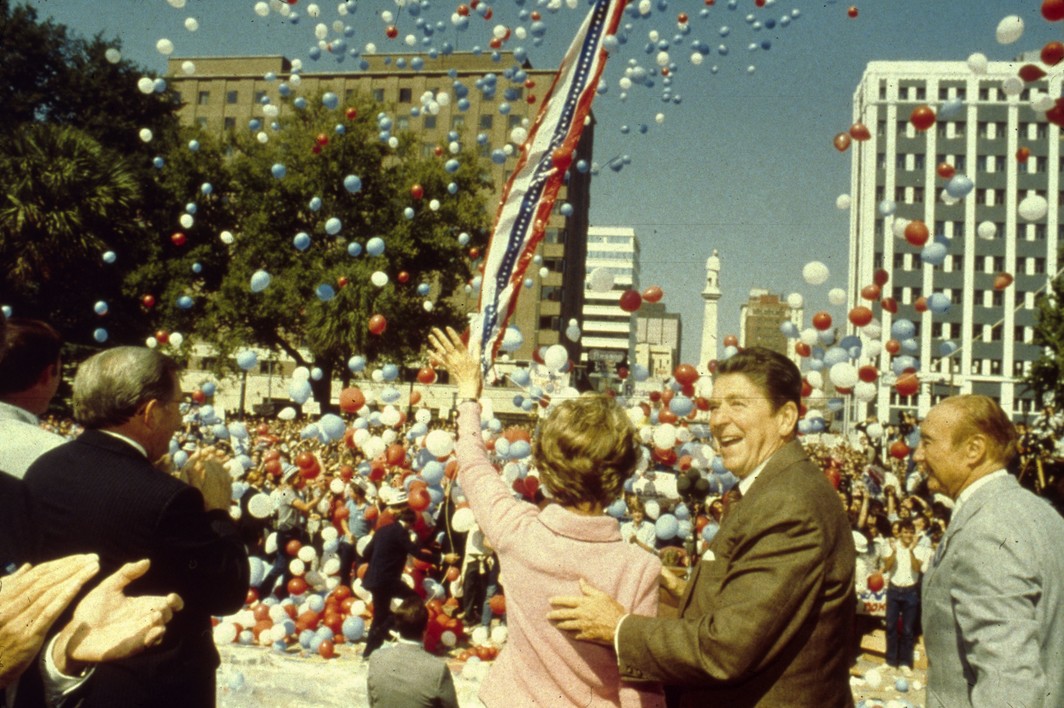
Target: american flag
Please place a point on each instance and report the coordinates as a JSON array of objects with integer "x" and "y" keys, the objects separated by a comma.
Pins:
[{"x": 529, "y": 195}]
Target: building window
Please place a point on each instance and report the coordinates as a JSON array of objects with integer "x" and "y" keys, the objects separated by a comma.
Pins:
[
  {"x": 405, "y": 95},
  {"x": 430, "y": 122},
  {"x": 201, "y": 122},
  {"x": 918, "y": 195},
  {"x": 230, "y": 123},
  {"x": 549, "y": 322},
  {"x": 999, "y": 264},
  {"x": 899, "y": 261},
  {"x": 1039, "y": 265},
  {"x": 203, "y": 98},
  {"x": 997, "y": 298},
  {"x": 457, "y": 123},
  {"x": 378, "y": 95},
  {"x": 486, "y": 121},
  {"x": 995, "y": 367},
  {"x": 232, "y": 97}
]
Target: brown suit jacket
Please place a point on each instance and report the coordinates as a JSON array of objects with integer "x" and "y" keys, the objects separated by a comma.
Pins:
[{"x": 769, "y": 621}]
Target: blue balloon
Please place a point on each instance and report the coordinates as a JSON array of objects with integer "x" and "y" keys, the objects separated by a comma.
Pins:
[
  {"x": 109, "y": 257},
  {"x": 184, "y": 302},
  {"x": 617, "y": 509},
  {"x": 375, "y": 246},
  {"x": 333, "y": 426},
  {"x": 356, "y": 363},
  {"x": 520, "y": 376},
  {"x": 390, "y": 372},
  {"x": 709, "y": 531},
  {"x": 330, "y": 100},
  {"x": 451, "y": 166},
  {"x": 423, "y": 289},
  {"x": 934, "y": 254},
  {"x": 193, "y": 145},
  {"x": 959, "y": 186},
  {"x": 257, "y": 571},
  {"x": 100, "y": 335},
  {"x": 260, "y": 280},
  {"x": 432, "y": 472},
  {"x": 278, "y": 170},
  {"x": 353, "y": 628},
  {"x": 333, "y": 226},
  {"x": 353, "y": 183},
  {"x": 947, "y": 348},
  {"x": 315, "y": 203},
  {"x": 247, "y": 359},
  {"x": 520, "y": 449},
  {"x": 300, "y": 391},
  {"x": 681, "y": 405},
  {"x": 902, "y": 329},
  {"x": 325, "y": 292},
  {"x": 354, "y": 249},
  {"x": 681, "y": 512},
  {"x": 158, "y": 163},
  {"x": 938, "y": 303},
  {"x": 100, "y": 308},
  {"x": 666, "y": 527},
  {"x": 301, "y": 241},
  {"x": 640, "y": 372},
  {"x": 208, "y": 388}
]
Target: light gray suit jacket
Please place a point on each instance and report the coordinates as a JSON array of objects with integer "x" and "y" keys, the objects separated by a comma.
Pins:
[
  {"x": 406, "y": 676},
  {"x": 993, "y": 603}
]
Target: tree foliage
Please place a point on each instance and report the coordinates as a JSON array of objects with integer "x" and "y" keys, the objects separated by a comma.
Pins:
[
  {"x": 1046, "y": 378},
  {"x": 320, "y": 299}
]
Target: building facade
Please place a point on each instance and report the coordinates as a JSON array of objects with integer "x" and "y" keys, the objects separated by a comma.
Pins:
[
  {"x": 760, "y": 318},
  {"x": 988, "y": 132},
  {"x": 659, "y": 336},
  {"x": 608, "y": 332},
  {"x": 223, "y": 94}
]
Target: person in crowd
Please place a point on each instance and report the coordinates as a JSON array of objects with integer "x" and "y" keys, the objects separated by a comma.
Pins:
[
  {"x": 353, "y": 527},
  {"x": 29, "y": 377},
  {"x": 767, "y": 615},
  {"x": 904, "y": 560},
  {"x": 405, "y": 675},
  {"x": 993, "y": 594},
  {"x": 387, "y": 554},
  {"x": 585, "y": 450},
  {"x": 479, "y": 574},
  {"x": 101, "y": 494},
  {"x": 292, "y": 507},
  {"x": 638, "y": 530}
]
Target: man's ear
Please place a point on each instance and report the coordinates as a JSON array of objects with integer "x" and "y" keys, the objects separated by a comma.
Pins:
[
  {"x": 975, "y": 449},
  {"x": 788, "y": 418}
]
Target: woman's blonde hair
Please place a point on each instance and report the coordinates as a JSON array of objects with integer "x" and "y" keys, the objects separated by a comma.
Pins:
[{"x": 585, "y": 450}]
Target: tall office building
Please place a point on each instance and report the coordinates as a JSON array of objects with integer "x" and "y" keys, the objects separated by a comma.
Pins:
[
  {"x": 760, "y": 318},
  {"x": 223, "y": 94},
  {"x": 987, "y": 132},
  {"x": 608, "y": 332}
]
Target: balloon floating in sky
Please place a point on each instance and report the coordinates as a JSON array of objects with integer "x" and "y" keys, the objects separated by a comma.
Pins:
[
  {"x": 815, "y": 273},
  {"x": 1009, "y": 30}
]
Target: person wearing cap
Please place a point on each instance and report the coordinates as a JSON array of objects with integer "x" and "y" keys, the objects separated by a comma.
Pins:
[
  {"x": 993, "y": 593},
  {"x": 386, "y": 554},
  {"x": 291, "y": 507}
]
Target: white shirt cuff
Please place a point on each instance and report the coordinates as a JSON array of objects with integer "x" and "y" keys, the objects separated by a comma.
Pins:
[
  {"x": 617, "y": 637},
  {"x": 58, "y": 685}
]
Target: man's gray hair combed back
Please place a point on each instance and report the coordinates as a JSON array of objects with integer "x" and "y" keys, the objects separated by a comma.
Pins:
[{"x": 110, "y": 387}]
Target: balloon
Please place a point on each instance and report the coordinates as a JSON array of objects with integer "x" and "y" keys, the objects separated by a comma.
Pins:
[
  {"x": 666, "y": 526},
  {"x": 860, "y": 315},
  {"x": 822, "y": 321},
  {"x": 463, "y": 520},
  {"x": 630, "y": 300},
  {"x": 555, "y": 357},
  {"x": 843, "y": 375},
  {"x": 260, "y": 280},
  {"x": 916, "y": 233},
  {"x": 842, "y": 142},
  {"x": 1002, "y": 281},
  {"x": 653, "y": 294},
  {"x": 814, "y": 273},
  {"x": 907, "y": 384},
  {"x": 439, "y": 443},
  {"x": 922, "y": 117},
  {"x": 1033, "y": 207},
  {"x": 377, "y": 324},
  {"x": 1009, "y": 29}
]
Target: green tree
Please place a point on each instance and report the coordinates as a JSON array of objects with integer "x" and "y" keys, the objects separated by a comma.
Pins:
[
  {"x": 319, "y": 149},
  {"x": 1046, "y": 378}
]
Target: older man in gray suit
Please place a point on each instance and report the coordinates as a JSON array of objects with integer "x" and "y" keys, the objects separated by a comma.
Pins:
[
  {"x": 993, "y": 595},
  {"x": 405, "y": 675}
]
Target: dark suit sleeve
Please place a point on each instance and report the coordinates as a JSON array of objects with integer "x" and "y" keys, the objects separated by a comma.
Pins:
[
  {"x": 768, "y": 591},
  {"x": 203, "y": 553}
]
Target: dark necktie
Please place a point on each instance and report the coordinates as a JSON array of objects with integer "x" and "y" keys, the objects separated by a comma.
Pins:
[{"x": 731, "y": 499}]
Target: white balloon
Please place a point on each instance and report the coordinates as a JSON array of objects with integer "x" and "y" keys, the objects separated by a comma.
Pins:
[
  {"x": 977, "y": 63},
  {"x": 301, "y": 373},
  {"x": 664, "y": 436},
  {"x": 815, "y": 273},
  {"x": 165, "y": 47},
  {"x": 176, "y": 339},
  {"x": 297, "y": 567},
  {"x": 1009, "y": 29},
  {"x": 188, "y": 67},
  {"x": 287, "y": 413},
  {"x": 815, "y": 379},
  {"x": 795, "y": 300},
  {"x": 146, "y": 135},
  {"x": 186, "y": 221},
  {"x": 260, "y": 506},
  {"x": 809, "y": 336},
  {"x": 837, "y": 296},
  {"x": 307, "y": 554},
  {"x": 1033, "y": 207},
  {"x": 898, "y": 227},
  {"x": 986, "y": 229},
  {"x": 191, "y": 24},
  {"x": 1012, "y": 86},
  {"x": 463, "y": 520},
  {"x": 336, "y": 487},
  {"x": 379, "y": 279},
  {"x": 864, "y": 392},
  {"x": 555, "y": 357},
  {"x": 601, "y": 280},
  {"x": 146, "y": 85},
  {"x": 842, "y": 202},
  {"x": 439, "y": 443},
  {"x": 844, "y": 375}
]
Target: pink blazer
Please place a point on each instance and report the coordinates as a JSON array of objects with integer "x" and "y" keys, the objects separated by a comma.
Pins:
[{"x": 543, "y": 554}]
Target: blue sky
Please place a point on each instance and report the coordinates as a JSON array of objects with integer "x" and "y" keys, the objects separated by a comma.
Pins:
[{"x": 744, "y": 162}]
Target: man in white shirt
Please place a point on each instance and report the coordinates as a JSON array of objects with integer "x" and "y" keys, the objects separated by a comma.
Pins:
[
  {"x": 29, "y": 377},
  {"x": 903, "y": 559}
]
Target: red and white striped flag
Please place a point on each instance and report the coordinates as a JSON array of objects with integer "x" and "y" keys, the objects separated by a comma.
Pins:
[{"x": 528, "y": 198}]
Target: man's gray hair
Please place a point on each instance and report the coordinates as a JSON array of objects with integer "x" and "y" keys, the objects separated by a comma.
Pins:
[{"x": 110, "y": 387}]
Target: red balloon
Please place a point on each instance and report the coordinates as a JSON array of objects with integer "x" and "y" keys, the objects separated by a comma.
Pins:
[
  {"x": 497, "y": 603},
  {"x": 907, "y": 384},
  {"x": 297, "y": 586},
  {"x": 653, "y": 294},
  {"x": 1052, "y": 53},
  {"x": 889, "y": 304},
  {"x": 395, "y": 454},
  {"x": 899, "y": 450},
  {"x": 148, "y": 301},
  {"x": 327, "y": 650},
  {"x": 822, "y": 321},
  {"x": 861, "y": 315},
  {"x": 426, "y": 375},
  {"x": 893, "y": 346},
  {"x": 920, "y": 304},
  {"x": 292, "y": 547},
  {"x": 682, "y": 18},
  {"x": 1031, "y": 72},
  {"x": 916, "y": 233},
  {"x": 667, "y": 416},
  {"x": 685, "y": 374},
  {"x": 852, "y": 12},
  {"x": 417, "y": 192},
  {"x": 351, "y": 399},
  {"x": 802, "y": 349},
  {"x": 351, "y": 113},
  {"x": 876, "y": 582},
  {"x": 622, "y": 372},
  {"x": 871, "y": 292},
  {"x": 922, "y": 117},
  {"x": 562, "y": 158},
  {"x": 807, "y": 389},
  {"x": 946, "y": 170},
  {"x": 347, "y": 473},
  {"x": 392, "y": 32},
  {"x": 859, "y": 131},
  {"x": 630, "y": 301},
  {"x": 880, "y": 277},
  {"x": 1022, "y": 154},
  {"x": 842, "y": 142},
  {"x": 178, "y": 239},
  {"x": 273, "y": 468},
  {"x": 377, "y": 324},
  {"x": 403, "y": 277},
  {"x": 731, "y": 341},
  {"x": 1055, "y": 115},
  {"x": 832, "y": 473},
  {"x": 1053, "y": 10},
  {"x": 868, "y": 373},
  {"x": 418, "y": 498},
  {"x": 162, "y": 336},
  {"x": 1002, "y": 281},
  {"x": 305, "y": 460}
]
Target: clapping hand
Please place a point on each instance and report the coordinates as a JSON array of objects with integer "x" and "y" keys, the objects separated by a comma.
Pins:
[
  {"x": 206, "y": 472},
  {"x": 32, "y": 599},
  {"x": 109, "y": 625}
]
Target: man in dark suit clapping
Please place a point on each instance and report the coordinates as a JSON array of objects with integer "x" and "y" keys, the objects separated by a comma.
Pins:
[{"x": 101, "y": 494}]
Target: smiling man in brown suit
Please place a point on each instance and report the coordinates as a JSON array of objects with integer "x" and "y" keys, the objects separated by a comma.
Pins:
[{"x": 767, "y": 615}]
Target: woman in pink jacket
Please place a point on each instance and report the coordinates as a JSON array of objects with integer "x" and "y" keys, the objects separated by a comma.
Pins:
[{"x": 584, "y": 451}]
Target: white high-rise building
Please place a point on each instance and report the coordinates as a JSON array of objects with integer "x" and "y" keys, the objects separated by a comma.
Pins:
[
  {"x": 989, "y": 133},
  {"x": 608, "y": 332}
]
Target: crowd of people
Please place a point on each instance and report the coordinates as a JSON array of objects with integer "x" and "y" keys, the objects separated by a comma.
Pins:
[{"x": 138, "y": 536}]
